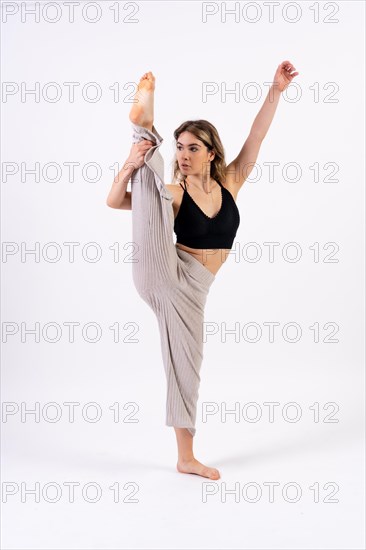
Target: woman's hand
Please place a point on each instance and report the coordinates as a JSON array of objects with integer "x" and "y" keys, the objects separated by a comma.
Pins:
[
  {"x": 284, "y": 75},
  {"x": 138, "y": 152}
]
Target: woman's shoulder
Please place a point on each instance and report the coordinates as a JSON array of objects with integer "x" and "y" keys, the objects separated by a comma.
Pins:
[
  {"x": 175, "y": 189},
  {"x": 177, "y": 193}
]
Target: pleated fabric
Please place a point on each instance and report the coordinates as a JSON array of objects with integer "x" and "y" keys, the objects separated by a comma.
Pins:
[{"x": 171, "y": 281}]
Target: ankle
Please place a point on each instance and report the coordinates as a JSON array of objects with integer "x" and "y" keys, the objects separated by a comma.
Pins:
[{"x": 185, "y": 458}]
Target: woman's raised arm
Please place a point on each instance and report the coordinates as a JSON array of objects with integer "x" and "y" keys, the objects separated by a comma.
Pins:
[
  {"x": 239, "y": 169},
  {"x": 281, "y": 80}
]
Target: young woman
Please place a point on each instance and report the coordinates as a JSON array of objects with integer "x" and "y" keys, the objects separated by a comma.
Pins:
[{"x": 174, "y": 278}]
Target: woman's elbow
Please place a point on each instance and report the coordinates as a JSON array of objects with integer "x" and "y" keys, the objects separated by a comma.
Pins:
[{"x": 124, "y": 205}]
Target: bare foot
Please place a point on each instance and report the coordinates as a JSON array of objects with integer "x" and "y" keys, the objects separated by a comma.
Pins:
[
  {"x": 195, "y": 467},
  {"x": 142, "y": 111}
]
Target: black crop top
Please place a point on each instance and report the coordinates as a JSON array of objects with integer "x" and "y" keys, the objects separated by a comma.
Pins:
[{"x": 197, "y": 230}]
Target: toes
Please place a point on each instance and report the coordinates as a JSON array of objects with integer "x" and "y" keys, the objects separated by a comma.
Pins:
[
  {"x": 148, "y": 75},
  {"x": 199, "y": 469}
]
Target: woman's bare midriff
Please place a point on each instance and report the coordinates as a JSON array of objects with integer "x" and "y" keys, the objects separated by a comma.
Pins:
[{"x": 211, "y": 258}]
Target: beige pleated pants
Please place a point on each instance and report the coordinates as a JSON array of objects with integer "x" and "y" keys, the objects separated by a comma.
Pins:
[{"x": 171, "y": 281}]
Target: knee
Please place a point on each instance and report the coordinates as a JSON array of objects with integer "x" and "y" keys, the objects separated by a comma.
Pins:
[
  {"x": 152, "y": 299},
  {"x": 134, "y": 117},
  {"x": 149, "y": 284},
  {"x": 155, "y": 294},
  {"x": 150, "y": 291}
]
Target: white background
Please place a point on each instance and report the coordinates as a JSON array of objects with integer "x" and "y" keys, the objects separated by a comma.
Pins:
[{"x": 183, "y": 52}]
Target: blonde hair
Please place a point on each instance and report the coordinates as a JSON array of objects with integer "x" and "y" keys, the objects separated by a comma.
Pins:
[{"x": 207, "y": 133}]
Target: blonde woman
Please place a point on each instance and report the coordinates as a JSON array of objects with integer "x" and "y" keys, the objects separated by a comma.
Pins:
[{"x": 174, "y": 278}]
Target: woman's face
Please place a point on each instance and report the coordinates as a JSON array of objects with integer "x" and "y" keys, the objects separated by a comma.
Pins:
[{"x": 192, "y": 154}]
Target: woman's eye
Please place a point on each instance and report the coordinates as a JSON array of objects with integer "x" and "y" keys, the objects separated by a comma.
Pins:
[{"x": 194, "y": 149}]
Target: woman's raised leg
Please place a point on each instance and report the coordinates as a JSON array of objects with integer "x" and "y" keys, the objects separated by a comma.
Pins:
[
  {"x": 155, "y": 265},
  {"x": 162, "y": 282}
]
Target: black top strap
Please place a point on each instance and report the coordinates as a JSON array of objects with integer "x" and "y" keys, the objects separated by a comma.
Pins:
[{"x": 185, "y": 187}]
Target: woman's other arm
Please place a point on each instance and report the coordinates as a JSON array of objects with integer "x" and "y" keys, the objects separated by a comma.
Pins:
[{"x": 118, "y": 197}]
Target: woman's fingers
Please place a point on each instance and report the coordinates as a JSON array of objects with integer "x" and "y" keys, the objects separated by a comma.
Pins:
[
  {"x": 144, "y": 143},
  {"x": 288, "y": 66},
  {"x": 138, "y": 151}
]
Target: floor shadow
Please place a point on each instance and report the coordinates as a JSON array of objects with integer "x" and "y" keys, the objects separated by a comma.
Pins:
[{"x": 286, "y": 448}]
